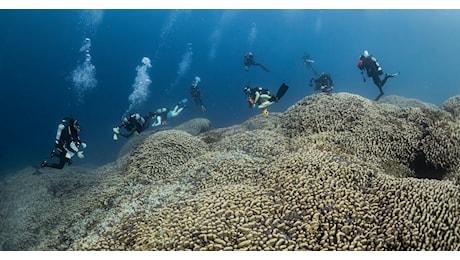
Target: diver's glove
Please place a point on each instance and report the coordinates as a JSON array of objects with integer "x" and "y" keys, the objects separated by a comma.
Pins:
[
  {"x": 115, "y": 137},
  {"x": 83, "y": 145},
  {"x": 80, "y": 154}
]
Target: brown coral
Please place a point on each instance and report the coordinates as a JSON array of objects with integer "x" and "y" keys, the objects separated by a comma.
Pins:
[
  {"x": 334, "y": 172},
  {"x": 381, "y": 132},
  {"x": 310, "y": 200},
  {"x": 452, "y": 105},
  {"x": 157, "y": 156},
  {"x": 195, "y": 126},
  {"x": 324, "y": 188}
]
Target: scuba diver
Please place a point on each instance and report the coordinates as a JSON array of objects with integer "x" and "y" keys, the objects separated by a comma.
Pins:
[
  {"x": 309, "y": 63},
  {"x": 134, "y": 124},
  {"x": 323, "y": 83},
  {"x": 249, "y": 61},
  {"x": 196, "y": 94},
  {"x": 262, "y": 97},
  {"x": 67, "y": 143},
  {"x": 161, "y": 115},
  {"x": 371, "y": 65}
]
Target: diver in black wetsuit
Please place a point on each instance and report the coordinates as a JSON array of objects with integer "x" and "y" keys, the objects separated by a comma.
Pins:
[
  {"x": 370, "y": 64},
  {"x": 67, "y": 143},
  {"x": 196, "y": 94},
  {"x": 133, "y": 124},
  {"x": 249, "y": 61},
  {"x": 323, "y": 83},
  {"x": 262, "y": 97}
]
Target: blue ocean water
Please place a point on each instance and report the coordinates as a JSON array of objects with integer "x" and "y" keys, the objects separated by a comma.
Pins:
[{"x": 90, "y": 64}]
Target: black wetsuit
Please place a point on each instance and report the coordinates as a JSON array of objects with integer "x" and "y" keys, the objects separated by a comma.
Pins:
[
  {"x": 196, "y": 95},
  {"x": 373, "y": 69},
  {"x": 62, "y": 160},
  {"x": 323, "y": 82},
  {"x": 67, "y": 134},
  {"x": 252, "y": 95},
  {"x": 135, "y": 125},
  {"x": 249, "y": 61}
]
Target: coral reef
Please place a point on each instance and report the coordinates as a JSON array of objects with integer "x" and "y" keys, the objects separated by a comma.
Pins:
[
  {"x": 134, "y": 141},
  {"x": 309, "y": 200},
  {"x": 195, "y": 126},
  {"x": 333, "y": 172},
  {"x": 378, "y": 132},
  {"x": 405, "y": 102},
  {"x": 452, "y": 105},
  {"x": 49, "y": 211},
  {"x": 155, "y": 159}
]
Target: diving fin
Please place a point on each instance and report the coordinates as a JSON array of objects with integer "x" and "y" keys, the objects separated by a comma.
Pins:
[
  {"x": 264, "y": 68},
  {"x": 182, "y": 103},
  {"x": 281, "y": 91}
]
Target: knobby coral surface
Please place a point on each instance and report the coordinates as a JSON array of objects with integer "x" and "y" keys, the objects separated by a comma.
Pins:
[{"x": 333, "y": 172}]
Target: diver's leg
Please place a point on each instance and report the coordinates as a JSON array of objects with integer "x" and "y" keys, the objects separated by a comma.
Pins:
[
  {"x": 263, "y": 67},
  {"x": 265, "y": 104},
  {"x": 384, "y": 80},
  {"x": 176, "y": 108},
  {"x": 380, "y": 95},
  {"x": 376, "y": 79},
  {"x": 176, "y": 111},
  {"x": 60, "y": 165}
]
